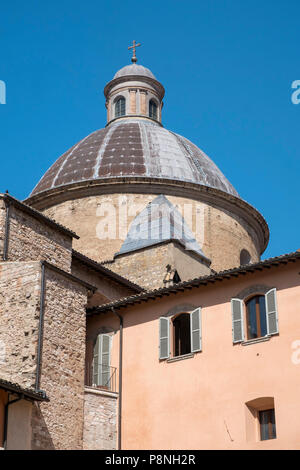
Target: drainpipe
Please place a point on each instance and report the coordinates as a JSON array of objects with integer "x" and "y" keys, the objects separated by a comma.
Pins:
[
  {"x": 41, "y": 324},
  {"x": 6, "y": 418},
  {"x": 6, "y": 233},
  {"x": 120, "y": 379}
]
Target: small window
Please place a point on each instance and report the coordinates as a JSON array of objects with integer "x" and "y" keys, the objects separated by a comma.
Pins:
[
  {"x": 256, "y": 317},
  {"x": 152, "y": 109},
  {"x": 245, "y": 257},
  {"x": 120, "y": 107},
  {"x": 267, "y": 424}
]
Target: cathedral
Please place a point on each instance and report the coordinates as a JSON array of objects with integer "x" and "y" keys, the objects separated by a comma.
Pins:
[{"x": 136, "y": 312}]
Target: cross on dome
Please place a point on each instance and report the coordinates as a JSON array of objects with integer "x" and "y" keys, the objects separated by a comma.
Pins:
[{"x": 133, "y": 58}]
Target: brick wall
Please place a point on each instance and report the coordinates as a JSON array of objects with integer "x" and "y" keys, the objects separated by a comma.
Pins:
[{"x": 100, "y": 421}]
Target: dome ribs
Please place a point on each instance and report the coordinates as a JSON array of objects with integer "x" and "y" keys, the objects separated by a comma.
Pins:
[
  {"x": 133, "y": 148},
  {"x": 123, "y": 153}
]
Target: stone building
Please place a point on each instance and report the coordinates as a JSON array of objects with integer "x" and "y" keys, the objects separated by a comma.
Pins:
[{"x": 151, "y": 321}]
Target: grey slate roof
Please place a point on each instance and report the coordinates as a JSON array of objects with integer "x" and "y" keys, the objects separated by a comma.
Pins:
[
  {"x": 158, "y": 222},
  {"x": 134, "y": 148}
]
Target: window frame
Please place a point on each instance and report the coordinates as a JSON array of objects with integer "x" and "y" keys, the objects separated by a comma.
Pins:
[
  {"x": 116, "y": 101},
  {"x": 153, "y": 101}
]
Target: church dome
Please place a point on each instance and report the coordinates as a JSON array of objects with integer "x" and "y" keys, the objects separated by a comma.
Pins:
[
  {"x": 134, "y": 69},
  {"x": 134, "y": 148}
]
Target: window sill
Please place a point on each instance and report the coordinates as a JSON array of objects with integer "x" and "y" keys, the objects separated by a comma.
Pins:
[
  {"x": 256, "y": 340},
  {"x": 180, "y": 358}
]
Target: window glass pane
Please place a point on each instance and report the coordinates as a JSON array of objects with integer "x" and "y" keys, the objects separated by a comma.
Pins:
[
  {"x": 120, "y": 107},
  {"x": 152, "y": 110},
  {"x": 252, "y": 324},
  {"x": 267, "y": 424},
  {"x": 263, "y": 317}
]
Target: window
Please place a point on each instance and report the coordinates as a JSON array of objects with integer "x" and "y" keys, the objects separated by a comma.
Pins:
[
  {"x": 256, "y": 317},
  {"x": 120, "y": 107},
  {"x": 101, "y": 361},
  {"x": 259, "y": 313},
  {"x": 267, "y": 424},
  {"x": 260, "y": 419},
  {"x": 152, "y": 109},
  {"x": 245, "y": 257},
  {"x": 182, "y": 335},
  {"x": 183, "y": 332}
]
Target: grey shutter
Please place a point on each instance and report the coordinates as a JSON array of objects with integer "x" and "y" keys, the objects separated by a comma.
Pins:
[
  {"x": 96, "y": 361},
  {"x": 196, "y": 336},
  {"x": 101, "y": 362},
  {"x": 164, "y": 338},
  {"x": 237, "y": 309},
  {"x": 271, "y": 312}
]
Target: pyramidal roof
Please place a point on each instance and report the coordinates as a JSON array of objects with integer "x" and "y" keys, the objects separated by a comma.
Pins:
[{"x": 160, "y": 221}]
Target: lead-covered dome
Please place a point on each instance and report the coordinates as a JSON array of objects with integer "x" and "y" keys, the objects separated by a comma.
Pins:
[
  {"x": 134, "y": 69},
  {"x": 134, "y": 148}
]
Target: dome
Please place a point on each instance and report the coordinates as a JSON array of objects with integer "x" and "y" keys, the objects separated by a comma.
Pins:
[
  {"x": 134, "y": 148},
  {"x": 134, "y": 69}
]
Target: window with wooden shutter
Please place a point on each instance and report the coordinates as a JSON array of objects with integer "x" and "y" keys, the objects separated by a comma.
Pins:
[
  {"x": 101, "y": 361},
  {"x": 196, "y": 336},
  {"x": 164, "y": 338},
  {"x": 237, "y": 309},
  {"x": 271, "y": 312}
]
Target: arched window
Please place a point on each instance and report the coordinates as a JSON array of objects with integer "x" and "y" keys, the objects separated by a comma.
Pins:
[
  {"x": 256, "y": 317},
  {"x": 245, "y": 257},
  {"x": 120, "y": 107},
  {"x": 152, "y": 109}
]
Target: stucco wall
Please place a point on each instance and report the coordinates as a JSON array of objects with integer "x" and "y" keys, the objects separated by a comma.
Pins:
[
  {"x": 100, "y": 420},
  {"x": 19, "y": 426},
  {"x": 221, "y": 235},
  {"x": 200, "y": 402}
]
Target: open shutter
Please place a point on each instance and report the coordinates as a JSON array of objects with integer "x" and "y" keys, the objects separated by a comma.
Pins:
[
  {"x": 196, "y": 336},
  {"x": 271, "y": 312},
  {"x": 164, "y": 338},
  {"x": 237, "y": 309},
  {"x": 96, "y": 361},
  {"x": 105, "y": 360},
  {"x": 101, "y": 361}
]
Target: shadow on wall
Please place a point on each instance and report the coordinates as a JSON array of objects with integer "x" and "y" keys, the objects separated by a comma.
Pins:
[{"x": 41, "y": 437}]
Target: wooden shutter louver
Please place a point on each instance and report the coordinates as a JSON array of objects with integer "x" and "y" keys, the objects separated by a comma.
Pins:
[
  {"x": 101, "y": 360},
  {"x": 271, "y": 312},
  {"x": 196, "y": 334},
  {"x": 164, "y": 338},
  {"x": 237, "y": 309}
]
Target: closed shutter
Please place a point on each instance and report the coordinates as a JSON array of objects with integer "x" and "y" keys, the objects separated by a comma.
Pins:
[
  {"x": 196, "y": 336},
  {"x": 237, "y": 309},
  {"x": 271, "y": 312},
  {"x": 101, "y": 362},
  {"x": 164, "y": 338}
]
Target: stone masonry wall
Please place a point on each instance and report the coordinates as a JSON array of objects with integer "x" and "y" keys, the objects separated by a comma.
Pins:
[
  {"x": 58, "y": 424},
  {"x": 148, "y": 267},
  {"x": 19, "y": 320},
  {"x": 100, "y": 421},
  {"x": 32, "y": 239},
  {"x": 2, "y": 226},
  {"x": 221, "y": 235}
]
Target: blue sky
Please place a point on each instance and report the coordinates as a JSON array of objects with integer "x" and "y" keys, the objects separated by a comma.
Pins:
[{"x": 227, "y": 67}]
